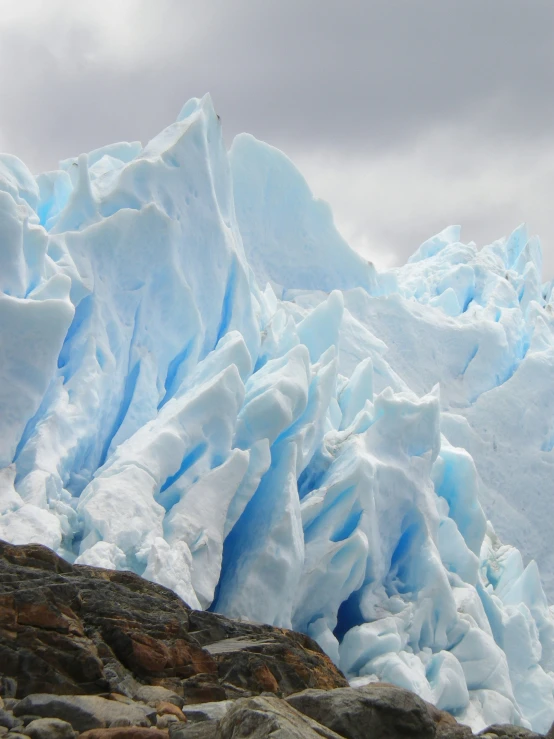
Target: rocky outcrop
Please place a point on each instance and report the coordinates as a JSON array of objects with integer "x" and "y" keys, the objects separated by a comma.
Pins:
[
  {"x": 69, "y": 629},
  {"x": 98, "y": 654}
]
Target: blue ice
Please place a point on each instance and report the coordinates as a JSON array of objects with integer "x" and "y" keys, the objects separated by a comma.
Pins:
[{"x": 203, "y": 383}]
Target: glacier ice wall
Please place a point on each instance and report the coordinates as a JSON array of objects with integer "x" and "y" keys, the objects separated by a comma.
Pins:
[{"x": 203, "y": 383}]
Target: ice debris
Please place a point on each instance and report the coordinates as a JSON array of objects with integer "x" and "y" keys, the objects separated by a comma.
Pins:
[{"x": 202, "y": 382}]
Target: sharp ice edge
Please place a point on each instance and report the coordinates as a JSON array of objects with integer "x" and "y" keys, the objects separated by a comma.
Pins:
[{"x": 203, "y": 383}]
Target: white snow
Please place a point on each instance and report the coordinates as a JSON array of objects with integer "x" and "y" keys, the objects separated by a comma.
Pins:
[{"x": 203, "y": 383}]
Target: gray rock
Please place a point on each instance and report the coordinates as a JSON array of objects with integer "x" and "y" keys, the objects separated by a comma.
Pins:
[
  {"x": 119, "y": 722},
  {"x": 153, "y": 694},
  {"x": 453, "y": 731},
  {"x": 50, "y": 728},
  {"x": 511, "y": 731},
  {"x": 26, "y": 719},
  {"x": 3, "y": 730},
  {"x": 16, "y": 735},
  {"x": 206, "y": 711},
  {"x": 120, "y": 679},
  {"x": 85, "y": 712},
  {"x": 268, "y": 717},
  {"x": 8, "y": 687},
  {"x": 7, "y": 719},
  {"x": 376, "y": 710},
  {"x": 10, "y": 703},
  {"x": 165, "y": 720},
  {"x": 259, "y": 717},
  {"x": 203, "y": 730}
]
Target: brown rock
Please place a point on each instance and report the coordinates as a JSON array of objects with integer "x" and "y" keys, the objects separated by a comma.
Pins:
[
  {"x": 203, "y": 689},
  {"x": 68, "y": 629},
  {"x": 453, "y": 731},
  {"x": 276, "y": 660},
  {"x": 153, "y": 694},
  {"x": 124, "y": 732},
  {"x": 265, "y": 679},
  {"x": 439, "y": 717},
  {"x": 163, "y": 707},
  {"x": 509, "y": 731},
  {"x": 148, "y": 654}
]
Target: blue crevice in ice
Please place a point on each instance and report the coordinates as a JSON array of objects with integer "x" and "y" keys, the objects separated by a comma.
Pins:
[
  {"x": 173, "y": 375},
  {"x": 313, "y": 475},
  {"x": 348, "y": 527},
  {"x": 349, "y": 615},
  {"x": 399, "y": 579},
  {"x": 228, "y": 301},
  {"x": 548, "y": 443},
  {"x": 468, "y": 299},
  {"x": 341, "y": 502},
  {"x": 524, "y": 347},
  {"x": 493, "y": 613},
  {"x": 470, "y": 359},
  {"x": 30, "y": 427},
  {"x": 70, "y": 355},
  {"x": 128, "y": 392},
  {"x": 171, "y": 497}
]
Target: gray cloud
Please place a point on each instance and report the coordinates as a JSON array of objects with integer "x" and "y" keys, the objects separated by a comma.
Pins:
[{"x": 444, "y": 107}]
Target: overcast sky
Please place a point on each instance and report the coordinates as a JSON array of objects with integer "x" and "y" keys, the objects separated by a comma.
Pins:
[{"x": 406, "y": 115}]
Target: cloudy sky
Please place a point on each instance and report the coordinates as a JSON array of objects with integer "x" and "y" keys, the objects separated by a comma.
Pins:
[{"x": 406, "y": 115}]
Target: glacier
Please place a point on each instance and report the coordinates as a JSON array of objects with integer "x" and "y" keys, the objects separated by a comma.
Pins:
[{"x": 203, "y": 383}]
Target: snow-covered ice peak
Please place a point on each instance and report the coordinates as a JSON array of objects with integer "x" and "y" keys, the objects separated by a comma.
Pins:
[{"x": 203, "y": 383}]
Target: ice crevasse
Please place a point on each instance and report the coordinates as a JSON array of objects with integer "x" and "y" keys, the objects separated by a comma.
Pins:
[{"x": 203, "y": 383}]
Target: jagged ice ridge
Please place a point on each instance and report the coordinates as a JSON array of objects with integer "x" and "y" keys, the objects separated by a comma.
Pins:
[{"x": 202, "y": 382}]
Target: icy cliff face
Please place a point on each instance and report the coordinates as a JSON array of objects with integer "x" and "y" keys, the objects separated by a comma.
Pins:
[{"x": 203, "y": 383}]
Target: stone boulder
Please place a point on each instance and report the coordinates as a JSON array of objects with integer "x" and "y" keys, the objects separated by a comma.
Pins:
[
  {"x": 376, "y": 710},
  {"x": 85, "y": 712},
  {"x": 260, "y": 717},
  {"x": 207, "y": 711},
  {"x": 508, "y": 731},
  {"x": 49, "y": 728}
]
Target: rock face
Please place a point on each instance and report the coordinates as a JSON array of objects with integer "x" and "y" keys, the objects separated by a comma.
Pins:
[
  {"x": 74, "y": 629},
  {"x": 376, "y": 710},
  {"x": 107, "y": 655}
]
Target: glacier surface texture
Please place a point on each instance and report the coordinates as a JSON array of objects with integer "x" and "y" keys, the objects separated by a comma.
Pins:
[{"x": 203, "y": 383}]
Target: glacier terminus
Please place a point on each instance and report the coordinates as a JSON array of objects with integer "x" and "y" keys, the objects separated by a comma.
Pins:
[{"x": 201, "y": 382}]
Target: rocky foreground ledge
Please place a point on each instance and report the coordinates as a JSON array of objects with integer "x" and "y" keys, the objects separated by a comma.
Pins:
[{"x": 107, "y": 655}]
